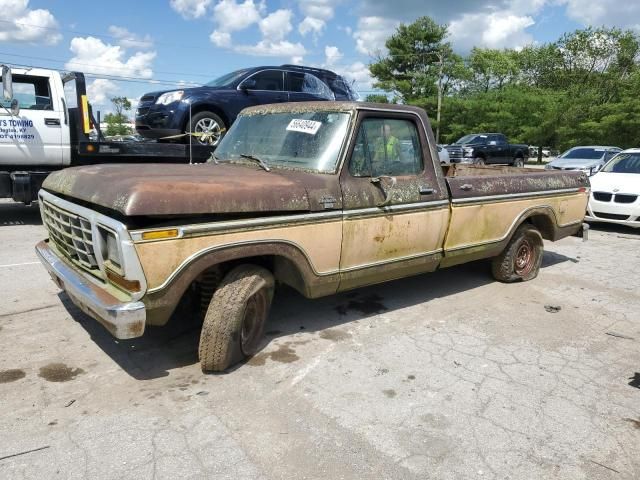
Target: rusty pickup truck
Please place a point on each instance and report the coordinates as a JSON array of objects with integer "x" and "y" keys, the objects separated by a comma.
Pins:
[{"x": 323, "y": 197}]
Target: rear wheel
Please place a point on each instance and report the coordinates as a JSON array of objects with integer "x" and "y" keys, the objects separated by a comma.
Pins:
[
  {"x": 521, "y": 259},
  {"x": 234, "y": 323},
  {"x": 207, "y": 127},
  {"x": 518, "y": 162}
]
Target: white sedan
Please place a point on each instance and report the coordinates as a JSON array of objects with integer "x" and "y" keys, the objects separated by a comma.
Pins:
[{"x": 615, "y": 191}]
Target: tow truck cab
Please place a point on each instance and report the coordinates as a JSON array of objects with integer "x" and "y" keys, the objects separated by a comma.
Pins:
[{"x": 45, "y": 122}]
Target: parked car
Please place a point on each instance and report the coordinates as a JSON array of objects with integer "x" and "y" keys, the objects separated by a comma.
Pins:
[
  {"x": 615, "y": 191},
  {"x": 589, "y": 159},
  {"x": 214, "y": 106},
  {"x": 443, "y": 153},
  {"x": 487, "y": 148}
]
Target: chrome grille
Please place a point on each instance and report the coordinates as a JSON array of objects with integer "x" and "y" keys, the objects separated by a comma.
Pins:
[{"x": 72, "y": 235}]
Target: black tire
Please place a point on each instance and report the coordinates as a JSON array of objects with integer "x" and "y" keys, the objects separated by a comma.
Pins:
[
  {"x": 479, "y": 161},
  {"x": 234, "y": 323},
  {"x": 522, "y": 257},
  {"x": 518, "y": 162},
  {"x": 210, "y": 124}
]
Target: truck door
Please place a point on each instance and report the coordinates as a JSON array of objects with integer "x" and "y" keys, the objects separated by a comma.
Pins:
[
  {"x": 396, "y": 210},
  {"x": 499, "y": 149},
  {"x": 34, "y": 136}
]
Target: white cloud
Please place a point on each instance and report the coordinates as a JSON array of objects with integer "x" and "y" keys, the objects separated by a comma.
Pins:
[
  {"x": 356, "y": 74},
  {"x": 297, "y": 60},
  {"x": 372, "y": 32},
  {"x": 277, "y": 25},
  {"x": 231, "y": 16},
  {"x": 101, "y": 90},
  {"x": 604, "y": 12},
  {"x": 190, "y": 8},
  {"x": 22, "y": 24},
  {"x": 93, "y": 55},
  {"x": 317, "y": 13},
  {"x": 220, "y": 39},
  {"x": 311, "y": 25},
  {"x": 332, "y": 55},
  {"x": 127, "y": 39},
  {"x": 273, "y": 49},
  {"x": 494, "y": 30}
]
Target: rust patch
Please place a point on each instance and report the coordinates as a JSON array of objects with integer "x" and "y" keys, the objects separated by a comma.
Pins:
[
  {"x": 59, "y": 372},
  {"x": 378, "y": 238},
  {"x": 334, "y": 335},
  {"x": 284, "y": 354},
  {"x": 8, "y": 376},
  {"x": 389, "y": 393},
  {"x": 367, "y": 305}
]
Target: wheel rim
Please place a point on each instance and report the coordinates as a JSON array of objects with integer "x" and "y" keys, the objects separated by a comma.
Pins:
[
  {"x": 255, "y": 313},
  {"x": 519, "y": 162},
  {"x": 210, "y": 129},
  {"x": 525, "y": 258},
  {"x": 479, "y": 161}
]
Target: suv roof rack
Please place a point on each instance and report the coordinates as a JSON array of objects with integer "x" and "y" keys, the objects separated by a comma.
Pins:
[{"x": 310, "y": 69}]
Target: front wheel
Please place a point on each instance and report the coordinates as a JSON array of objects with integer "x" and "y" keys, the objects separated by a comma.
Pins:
[
  {"x": 479, "y": 161},
  {"x": 518, "y": 162},
  {"x": 207, "y": 128},
  {"x": 522, "y": 257},
  {"x": 234, "y": 323}
]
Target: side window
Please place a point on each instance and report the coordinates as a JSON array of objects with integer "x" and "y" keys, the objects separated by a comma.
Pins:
[
  {"x": 307, "y": 83},
  {"x": 386, "y": 147},
  {"x": 31, "y": 92},
  {"x": 269, "y": 80},
  {"x": 610, "y": 154}
]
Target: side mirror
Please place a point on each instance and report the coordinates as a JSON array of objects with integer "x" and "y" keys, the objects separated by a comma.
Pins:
[
  {"x": 248, "y": 84},
  {"x": 7, "y": 83},
  {"x": 15, "y": 107}
]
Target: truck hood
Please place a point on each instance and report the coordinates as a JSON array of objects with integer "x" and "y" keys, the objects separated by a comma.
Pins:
[
  {"x": 171, "y": 189},
  {"x": 616, "y": 182}
]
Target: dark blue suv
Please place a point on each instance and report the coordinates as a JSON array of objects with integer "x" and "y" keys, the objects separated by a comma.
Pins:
[{"x": 216, "y": 105}]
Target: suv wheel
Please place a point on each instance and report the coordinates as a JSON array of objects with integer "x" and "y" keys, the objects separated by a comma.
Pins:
[
  {"x": 207, "y": 127},
  {"x": 518, "y": 162}
]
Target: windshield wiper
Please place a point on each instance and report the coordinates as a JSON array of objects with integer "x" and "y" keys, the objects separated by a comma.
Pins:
[{"x": 258, "y": 160}]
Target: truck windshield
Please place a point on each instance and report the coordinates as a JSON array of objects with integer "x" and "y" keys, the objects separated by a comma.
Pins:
[
  {"x": 227, "y": 79},
  {"x": 473, "y": 138},
  {"x": 309, "y": 141},
  {"x": 584, "y": 153},
  {"x": 623, "y": 163}
]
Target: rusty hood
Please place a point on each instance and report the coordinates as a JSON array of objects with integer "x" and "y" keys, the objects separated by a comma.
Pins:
[{"x": 175, "y": 189}]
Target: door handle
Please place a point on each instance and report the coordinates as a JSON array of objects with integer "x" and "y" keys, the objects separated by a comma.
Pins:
[
  {"x": 52, "y": 122},
  {"x": 426, "y": 191}
]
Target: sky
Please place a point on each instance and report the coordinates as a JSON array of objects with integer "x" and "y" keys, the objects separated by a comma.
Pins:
[{"x": 132, "y": 47}]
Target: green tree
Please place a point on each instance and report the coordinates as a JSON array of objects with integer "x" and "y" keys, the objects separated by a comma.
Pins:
[
  {"x": 377, "y": 98},
  {"x": 411, "y": 67},
  {"x": 117, "y": 121}
]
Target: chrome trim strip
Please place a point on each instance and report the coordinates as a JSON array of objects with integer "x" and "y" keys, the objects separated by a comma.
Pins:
[
  {"x": 123, "y": 319},
  {"x": 303, "y": 218},
  {"x": 511, "y": 196},
  {"x": 387, "y": 262}
]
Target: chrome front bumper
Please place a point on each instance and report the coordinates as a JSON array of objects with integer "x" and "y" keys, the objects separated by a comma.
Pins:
[{"x": 123, "y": 320}]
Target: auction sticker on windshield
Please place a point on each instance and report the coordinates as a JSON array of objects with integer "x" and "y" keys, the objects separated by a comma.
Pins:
[{"x": 305, "y": 126}]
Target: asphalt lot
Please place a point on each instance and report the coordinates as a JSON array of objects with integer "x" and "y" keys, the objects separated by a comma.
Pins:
[{"x": 447, "y": 376}]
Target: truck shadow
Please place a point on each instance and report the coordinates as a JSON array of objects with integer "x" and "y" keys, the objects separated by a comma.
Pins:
[
  {"x": 175, "y": 345},
  {"x": 19, "y": 214}
]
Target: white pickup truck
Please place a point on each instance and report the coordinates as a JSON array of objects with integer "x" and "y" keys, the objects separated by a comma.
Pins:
[{"x": 45, "y": 121}]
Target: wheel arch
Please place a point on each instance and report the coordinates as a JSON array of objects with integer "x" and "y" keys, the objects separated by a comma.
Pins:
[
  {"x": 288, "y": 263},
  {"x": 205, "y": 107}
]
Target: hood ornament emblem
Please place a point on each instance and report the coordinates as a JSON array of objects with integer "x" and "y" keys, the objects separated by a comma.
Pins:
[{"x": 616, "y": 190}]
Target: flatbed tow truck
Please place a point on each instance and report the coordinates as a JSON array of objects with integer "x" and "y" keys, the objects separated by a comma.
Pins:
[{"x": 45, "y": 125}]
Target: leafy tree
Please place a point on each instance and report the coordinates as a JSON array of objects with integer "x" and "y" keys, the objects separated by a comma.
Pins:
[
  {"x": 117, "y": 122},
  {"x": 377, "y": 98}
]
